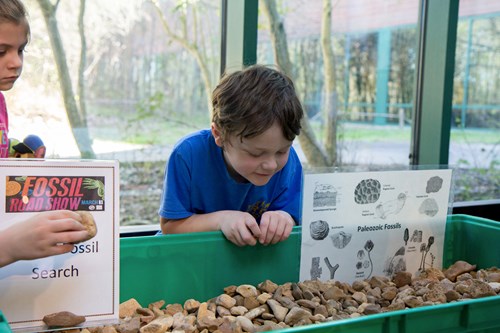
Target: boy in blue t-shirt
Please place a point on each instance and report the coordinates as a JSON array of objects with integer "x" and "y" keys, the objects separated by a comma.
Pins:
[{"x": 242, "y": 176}]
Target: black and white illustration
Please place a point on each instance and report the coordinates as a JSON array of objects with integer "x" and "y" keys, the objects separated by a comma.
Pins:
[
  {"x": 391, "y": 207},
  {"x": 325, "y": 195},
  {"x": 389, "y": 221},
  {"x": 367, "y": 191},
  {"x": 319, "y": 229}
]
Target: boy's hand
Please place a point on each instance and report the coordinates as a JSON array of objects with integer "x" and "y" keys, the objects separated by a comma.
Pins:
[
  {"x": 240, "y": 228},
  {"x": 275, "y": 226}
]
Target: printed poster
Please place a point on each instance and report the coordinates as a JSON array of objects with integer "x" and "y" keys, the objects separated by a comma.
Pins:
[
  {"x": 84, "y": 281},
  {"x": 363, "y": 224}
]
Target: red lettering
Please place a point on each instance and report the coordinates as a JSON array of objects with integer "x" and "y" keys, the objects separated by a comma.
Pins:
[
  {"x": 76, "y": 187},
  {"x": 53, "y": 188},
  {"x": 15, "y": 205},
  {"x": 40, "y": 186},
  {"x": 27, "y": 185},
  {"x": 64, "y": 187}
]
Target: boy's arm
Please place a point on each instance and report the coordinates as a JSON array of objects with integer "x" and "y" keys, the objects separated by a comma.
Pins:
[{"x": 238, "y": 227}]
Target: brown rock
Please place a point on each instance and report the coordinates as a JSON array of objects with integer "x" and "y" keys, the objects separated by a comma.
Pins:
[
  {"x": 238, "y": 310},
  {"x": 459, "y": 267},
  {"x": 297, "y": 315},
  {"x": 371, "y": 309},
  {"x": 268, "y": 286},
  {"x": 63, "y": 319},
  {"x": 230, "y": 290},
  {"x": 226, "y": 301},
  {"x": 452, "y": 295},
  {"x": 128, "y": 308},
  {"x": 334, "y": 293},
  {"x": 432, "y": 273},
  {"x": 251, "y": 302},
  {"x": 130, "y": 325},
  {"x": 246, "y": 324},
  {"x": 172, "y": 309},
  {"x": 402, "y": 279},
  {"x": 191, "y": 305},
  {"x": 247, "y": 290},
  {"x": 278, "y": 310},
  {"x": 480, "y": 289},
  {"x": 159, "y": 325}
]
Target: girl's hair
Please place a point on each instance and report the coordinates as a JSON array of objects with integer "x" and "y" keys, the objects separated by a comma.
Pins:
[
  {"x": 248, "y": 102},
  {"x": 13, "y": 11}
]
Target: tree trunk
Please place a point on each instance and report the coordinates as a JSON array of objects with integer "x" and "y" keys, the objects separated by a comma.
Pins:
[
  {"x": 192, "y": 48},
  {"x": 330, "y": 106},
  {"x": 315, "y": 155},
  {"x": 77, "y": 120}
]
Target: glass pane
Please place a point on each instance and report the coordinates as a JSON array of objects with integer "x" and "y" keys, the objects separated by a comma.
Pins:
[
  {"x": 148, "y": 75},
  {"x": 475, "y": 135},
  {"x": 370, "y": 94}
]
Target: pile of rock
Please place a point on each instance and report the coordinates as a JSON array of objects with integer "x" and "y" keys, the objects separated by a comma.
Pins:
[{"x": 269, "y": 306}]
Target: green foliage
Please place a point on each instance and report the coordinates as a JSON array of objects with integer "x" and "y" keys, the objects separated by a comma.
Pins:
[{"x": 472, "y": 183}]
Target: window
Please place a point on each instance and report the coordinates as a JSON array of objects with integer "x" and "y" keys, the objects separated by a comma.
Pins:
[
  {"x": 147, "y": 79},
  {"x": 475, "y": 135},
  {"x": 366, "y": 81}
]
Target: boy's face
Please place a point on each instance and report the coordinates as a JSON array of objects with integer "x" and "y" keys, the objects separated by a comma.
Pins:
[
  {"x": 255, "y": 159},
  {"x": 13, "y": 39}
]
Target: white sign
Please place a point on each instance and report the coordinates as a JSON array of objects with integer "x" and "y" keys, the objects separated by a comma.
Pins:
[
  {"x": 84, "y": 281},
  {"x": 358, "y": 225}
]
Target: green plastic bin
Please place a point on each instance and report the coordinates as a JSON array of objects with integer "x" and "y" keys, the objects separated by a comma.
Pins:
[
  {"x": 175, "y": 268},
  {"x": 4, "y": 325}
]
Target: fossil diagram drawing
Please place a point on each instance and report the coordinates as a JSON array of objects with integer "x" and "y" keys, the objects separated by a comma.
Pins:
[
  {"x": 424, "y": 249},
  {"x": 367, "y": 191},
  {"x": 316, "y": 270},
  {"x": 416, "y": 237},
  {"x": 434, "y": 184},
  {"x": 331, "y": 268},
  {"x": 319, "y": 229},
  {"x": 341, "y": 239},
  {"x": 325, "y": 195},
  {"x": 429, "y": 207},
  {"x": 391, "y": 207},
  {"x": 369, "y": 245},
  {"x": 396, "y": 263}
]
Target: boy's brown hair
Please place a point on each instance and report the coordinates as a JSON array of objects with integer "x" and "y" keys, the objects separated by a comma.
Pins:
[
  {"x": 248, "y": 102},
  {"x": 13, "y": 11}
]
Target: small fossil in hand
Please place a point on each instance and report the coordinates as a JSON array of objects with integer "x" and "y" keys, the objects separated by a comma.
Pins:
[{"x": 88, "y": 222}]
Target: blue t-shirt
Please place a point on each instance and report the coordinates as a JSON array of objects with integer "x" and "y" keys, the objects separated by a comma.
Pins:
[{"x": 198, "y": 182}]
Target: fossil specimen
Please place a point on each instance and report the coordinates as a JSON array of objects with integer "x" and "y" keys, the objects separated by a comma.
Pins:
[{"x": 319, "y": 229}]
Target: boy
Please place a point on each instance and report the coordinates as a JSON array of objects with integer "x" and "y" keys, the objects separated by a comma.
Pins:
[{"x": 242, "y": 176}]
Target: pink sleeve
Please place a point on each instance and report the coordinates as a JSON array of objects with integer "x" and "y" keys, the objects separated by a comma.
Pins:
[{"x": 4, "y": 128}]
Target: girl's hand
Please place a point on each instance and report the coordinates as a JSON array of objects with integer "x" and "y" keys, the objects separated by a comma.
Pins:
[{"x": 42, "y": 235}]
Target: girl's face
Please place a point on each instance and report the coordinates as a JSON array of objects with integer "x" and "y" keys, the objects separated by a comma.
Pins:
[
  {"x": 13, "y": 40},
  {"x": 255, "y": 159}
]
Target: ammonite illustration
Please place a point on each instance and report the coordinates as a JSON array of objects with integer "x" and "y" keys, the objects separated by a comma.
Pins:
[
  {"x": 319, "y": 229},
  {"x": 367, "y": 191}
]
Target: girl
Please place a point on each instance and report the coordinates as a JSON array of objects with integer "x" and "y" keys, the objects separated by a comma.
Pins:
[{"x": 47, "y": 233}]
